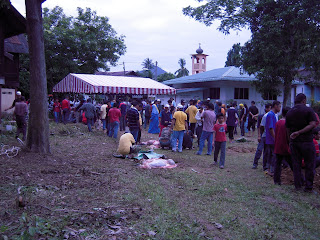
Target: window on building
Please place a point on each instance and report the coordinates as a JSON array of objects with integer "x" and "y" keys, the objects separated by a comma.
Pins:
[
  {"x": 241, "y": 93},
  {"x": 269, "y": 96},
  {"x": 215, "y": 93}
]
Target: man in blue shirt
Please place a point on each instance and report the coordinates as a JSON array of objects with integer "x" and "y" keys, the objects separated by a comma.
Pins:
[{"x": 270, "y": 128}]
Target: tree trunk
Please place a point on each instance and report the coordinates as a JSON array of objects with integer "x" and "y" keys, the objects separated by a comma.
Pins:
[
  {"x": 287, "y": 92},
  {"x": 38, "y": 130}
]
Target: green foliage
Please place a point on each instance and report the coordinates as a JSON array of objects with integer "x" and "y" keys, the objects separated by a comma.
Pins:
[
  {"x": 284, "y": 37},
  {"x": 232, "y": 14},
  {"x": 81, "y": 44},
  {"x": 165, "y": 76},
  {"x": 145, "y": 74},
  {"x": 315, "y": 105},
  {"x": 147, "y": 65},
  {"x": 36, "y": 228},
  {"x": 182, "y": 71},
  {"x": 24, "y": 74},
  {"x": 4, "y": 4},
  {"x": 234, "y": 56}
]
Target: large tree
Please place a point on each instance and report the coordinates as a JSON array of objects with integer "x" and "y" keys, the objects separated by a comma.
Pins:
[
  {"x": 38, "y": 130},
  {"x": 81, "y": 44},
  {"x": 182, "y": 71},
  {"x": 234, "y": 56},
  {"x": 284, "y": 37}
]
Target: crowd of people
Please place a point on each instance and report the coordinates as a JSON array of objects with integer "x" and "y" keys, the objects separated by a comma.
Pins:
[{"x": 286, "y": 141}]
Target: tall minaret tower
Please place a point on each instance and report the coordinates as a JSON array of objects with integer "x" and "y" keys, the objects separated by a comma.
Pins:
[{"x": 199, "y": 61}]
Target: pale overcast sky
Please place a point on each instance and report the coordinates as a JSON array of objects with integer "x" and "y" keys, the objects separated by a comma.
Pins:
[{"x": 156, "y": 29}]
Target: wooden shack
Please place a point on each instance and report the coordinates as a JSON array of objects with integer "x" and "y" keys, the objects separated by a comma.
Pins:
[{"x": 12, "y": 43}]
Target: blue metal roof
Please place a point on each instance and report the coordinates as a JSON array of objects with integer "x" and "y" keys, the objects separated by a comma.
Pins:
[{"x": 227, "y": 73}]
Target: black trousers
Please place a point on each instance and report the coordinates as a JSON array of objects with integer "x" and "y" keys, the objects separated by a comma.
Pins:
[
  {"x": 21, "y": 126},
  {"x": 278, "y": 167},
  {"x": 230, "y": 130},
  {"x": 198, "y": 133},
  {"x": 192, "y": 127},
  {"x": 306, "y": 151},
  {"x": 270, "y": 157}
]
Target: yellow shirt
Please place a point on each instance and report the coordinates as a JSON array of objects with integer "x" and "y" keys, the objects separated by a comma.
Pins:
[
  {"x": 126, "y": 141},
  {"x": 180, "y": 118},
  {"x": 192, "y": 111}
]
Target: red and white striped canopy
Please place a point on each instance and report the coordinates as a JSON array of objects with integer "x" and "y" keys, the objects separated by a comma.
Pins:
[{"x": 90, "y": 83}]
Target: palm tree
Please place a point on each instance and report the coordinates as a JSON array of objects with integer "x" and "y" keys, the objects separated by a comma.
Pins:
[
  {"x": 148, "y": 65},
  {"x": 182, "y": 71}
]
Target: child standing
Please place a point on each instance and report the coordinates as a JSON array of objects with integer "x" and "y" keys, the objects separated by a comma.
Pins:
[{"x": 220, "y": 140}]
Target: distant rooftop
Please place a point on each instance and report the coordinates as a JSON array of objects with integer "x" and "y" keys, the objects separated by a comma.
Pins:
[
  {"x": 219, "y": 74},
  {"x": 119, "y": 73}
]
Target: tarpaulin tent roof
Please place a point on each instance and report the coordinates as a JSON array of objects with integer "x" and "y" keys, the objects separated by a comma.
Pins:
[{"x": 90, "y": 83}]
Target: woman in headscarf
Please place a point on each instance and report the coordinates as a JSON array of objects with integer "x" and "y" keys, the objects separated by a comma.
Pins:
[{"x": 154, "y": 120}]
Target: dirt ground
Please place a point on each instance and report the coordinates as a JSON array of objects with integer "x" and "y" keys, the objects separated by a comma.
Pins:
[{"x": 74, "y": 188}]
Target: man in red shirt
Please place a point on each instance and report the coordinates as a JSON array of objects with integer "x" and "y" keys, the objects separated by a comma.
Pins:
[
  {"x": 281, "y": 147},
  {"x": 114, "y": 120},
  {"x": 65, "y": 106}
]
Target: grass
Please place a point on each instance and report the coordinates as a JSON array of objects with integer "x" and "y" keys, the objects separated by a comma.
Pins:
[{"x": 81, "y": 186}]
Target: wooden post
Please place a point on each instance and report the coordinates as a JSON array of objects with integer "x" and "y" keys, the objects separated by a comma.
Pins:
[{"x": 38, "y": 130}]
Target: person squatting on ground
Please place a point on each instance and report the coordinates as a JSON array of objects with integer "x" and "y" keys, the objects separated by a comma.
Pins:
[
  {"x": 114, "y": 120},
  {"x": 133, "y": 120},
  {"x": 179, "y": 125},
  {"x": 89, "y": 112},
  {"x": 209, "y": 119},
  {"x": 270, "y": 127},
  {"x": 232, "y": 118},
  {"x": 21, "y": 111},
  {"x": 192, "y": 111},
  {"x": 165, "y": 118},
  {"x": 261, "y": 139},
  {"x": 126, "y": 146},
  {"x": 300, "y": 121},
  {"x": 281, "y": 147},
  {"x": 220, "y": 140}
]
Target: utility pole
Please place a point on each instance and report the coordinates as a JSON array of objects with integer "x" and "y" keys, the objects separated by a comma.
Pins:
[
  {"x": 156, "y": 71},
  {"x": 124, "y": 69}
]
